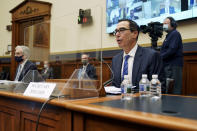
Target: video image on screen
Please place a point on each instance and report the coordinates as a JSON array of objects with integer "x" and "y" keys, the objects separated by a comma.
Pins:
[{"x": 145, "y": 11}]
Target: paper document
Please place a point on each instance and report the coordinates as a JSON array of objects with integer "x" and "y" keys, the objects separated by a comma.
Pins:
[{"x": 112, "y": 90}]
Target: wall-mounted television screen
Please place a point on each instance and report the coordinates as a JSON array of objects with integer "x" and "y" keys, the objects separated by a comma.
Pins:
[{"x": 146, "y": 11}]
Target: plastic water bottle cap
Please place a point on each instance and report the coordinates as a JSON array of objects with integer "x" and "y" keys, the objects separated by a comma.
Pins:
[
  {"x": 144, "y": 75},
  {"x": 126, "y": 76},
  {"x": 154, "y": 76}
]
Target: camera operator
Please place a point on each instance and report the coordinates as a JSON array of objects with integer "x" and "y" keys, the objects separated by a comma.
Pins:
[{"x": 172, "y": 54}]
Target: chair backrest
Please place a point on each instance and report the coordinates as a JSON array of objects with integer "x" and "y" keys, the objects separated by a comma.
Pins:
[{"x": 169, "y": 85}]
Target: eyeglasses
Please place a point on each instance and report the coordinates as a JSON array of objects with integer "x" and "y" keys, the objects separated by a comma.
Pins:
[{"x": 119, "y": 30}]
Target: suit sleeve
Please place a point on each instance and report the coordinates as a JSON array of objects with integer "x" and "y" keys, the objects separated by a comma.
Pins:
[
  {"x": 173, "y": 45},
  {"x": 114, "y": 80},
  {"x": 112, "y": 66}
]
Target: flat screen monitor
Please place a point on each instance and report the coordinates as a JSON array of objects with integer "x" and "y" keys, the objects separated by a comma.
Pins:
[{"x": 146, "y": 11}]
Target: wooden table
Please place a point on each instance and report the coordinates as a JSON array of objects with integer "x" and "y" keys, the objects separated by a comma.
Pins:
[{"x": 19, "y": 113}]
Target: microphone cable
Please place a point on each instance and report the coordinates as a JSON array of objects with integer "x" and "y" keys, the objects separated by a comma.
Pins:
[
  {"x": 41, "y": 109},
  {"x": 110, "y": 80}
]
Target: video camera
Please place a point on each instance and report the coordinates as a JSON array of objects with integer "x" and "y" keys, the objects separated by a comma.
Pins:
[{"x": 155, "y": 30}]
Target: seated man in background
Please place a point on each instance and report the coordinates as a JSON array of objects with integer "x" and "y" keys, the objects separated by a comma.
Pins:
[
  {"x": 133, "y": 60},
  {"x": 22, "y": 53},
  {"x": 87, "y": 68},
  {"x": 47, "y": 71}
]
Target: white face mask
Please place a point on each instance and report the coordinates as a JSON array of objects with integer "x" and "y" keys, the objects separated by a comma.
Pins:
[{"x": 165, "y": 27}]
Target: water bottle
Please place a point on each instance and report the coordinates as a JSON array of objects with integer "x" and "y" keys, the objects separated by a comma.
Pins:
[
  {"x": 155, "y": 87},
  {"x": 126, "y": 88},
  {"x": 144, "y": 86}
]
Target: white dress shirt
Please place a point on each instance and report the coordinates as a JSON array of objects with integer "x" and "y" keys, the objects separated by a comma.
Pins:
[
  {"x": 21, "y": 66},
  {"x": 130, "y": 62}
]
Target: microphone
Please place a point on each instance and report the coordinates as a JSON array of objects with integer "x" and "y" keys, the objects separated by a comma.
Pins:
[{"x": 99, "y": 58}]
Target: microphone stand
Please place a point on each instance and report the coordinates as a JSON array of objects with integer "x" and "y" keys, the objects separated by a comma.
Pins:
[{"x": 110, "y": 80}]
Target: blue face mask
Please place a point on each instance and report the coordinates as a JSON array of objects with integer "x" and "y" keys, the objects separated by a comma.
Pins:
[{"x": 19, "y": 58}]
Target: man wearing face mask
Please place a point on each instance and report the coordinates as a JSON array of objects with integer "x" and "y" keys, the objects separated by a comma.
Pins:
[
  {"x": 172, "y": 54},
  {"x": 87, "y": 68},
  {"x": 47, "y": 72},
  {"x": 22, "y": 54}
]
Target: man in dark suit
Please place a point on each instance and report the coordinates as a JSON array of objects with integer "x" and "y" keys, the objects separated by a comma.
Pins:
[
  {"x": 22, "y": 53},
  {"x": 47, "y": 72},
  {"x": 172, "y": 54},
  {"x": 139, "y": 60},
  {"x": 87, "y": 68}
]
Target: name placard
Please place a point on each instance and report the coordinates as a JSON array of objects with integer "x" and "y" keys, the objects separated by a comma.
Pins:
[{"x": 41, "y": 89}]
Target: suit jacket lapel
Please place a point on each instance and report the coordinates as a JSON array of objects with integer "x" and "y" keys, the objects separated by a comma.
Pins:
[
  {"x": 119, "y": 66},
  {"x": 136, "y": 64},
  {"x": 16, "y": 71},
  {"x": 88, "y": 67}
]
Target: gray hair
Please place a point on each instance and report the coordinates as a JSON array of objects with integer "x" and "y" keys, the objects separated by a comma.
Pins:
[
  {"x": 85, "y": 54},
  {"x": 25, "y": 49}
]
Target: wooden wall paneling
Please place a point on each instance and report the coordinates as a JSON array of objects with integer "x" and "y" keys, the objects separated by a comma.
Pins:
[
  {"x": 8, "y": 119},
  {"x": 192, "y": 78},
  {"x": 87, "y": 122},
  {"x": 190, "y": 74},
  {"x": 15, "y": 39},
  {"x": 28, "y": 121},
  {"x": 22, "y": 25},
  {"x": 57, "y": 71},
  {"x": 78, "y": 122},
  {"x": 184, "y": 79},
  {"x": 68, "y": 69},
  {"x": 9, "y": 115},
  {"x": 21, "y": 115},
  {"x": 106, "y": 71},
  {"x": 47, "y": 21},
  {"x": 62, "y": 71},
  {"x": 49, "y": 120}
]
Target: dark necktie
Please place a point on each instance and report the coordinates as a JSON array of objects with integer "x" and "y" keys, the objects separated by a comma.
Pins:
[{"x": 125, "y": 68}]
